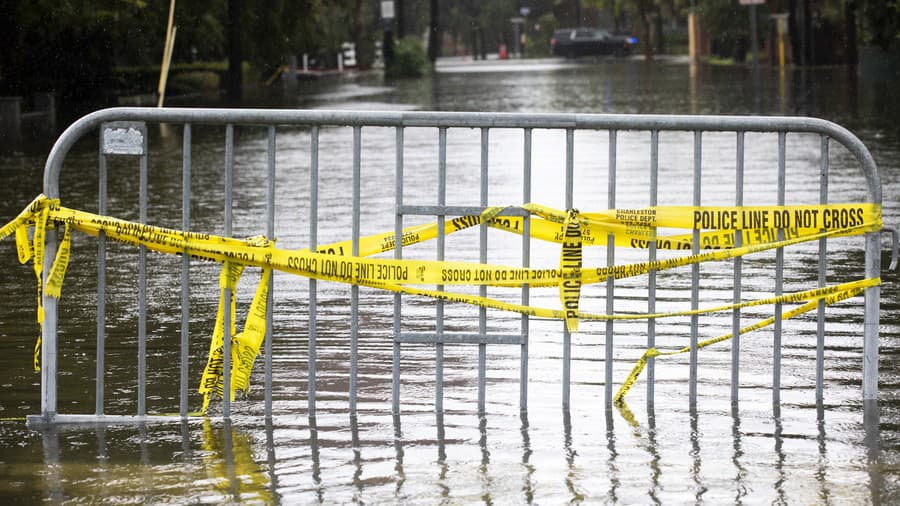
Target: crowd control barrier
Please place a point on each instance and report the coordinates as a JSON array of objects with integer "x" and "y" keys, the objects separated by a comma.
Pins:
[{"x": 722, "y": 233}]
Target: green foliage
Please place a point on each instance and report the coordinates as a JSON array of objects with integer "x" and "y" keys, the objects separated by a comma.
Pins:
[
  {"x": 728, "y": 23},
  {"x": 85, "y": 48},
  {"x": 194, "y": 81},
  {"x": 539, "y": 43},
  {"x": 410, "y": 59}
]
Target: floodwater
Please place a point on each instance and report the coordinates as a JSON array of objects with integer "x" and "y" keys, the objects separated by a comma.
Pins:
[{"x": 668, "y": 452}]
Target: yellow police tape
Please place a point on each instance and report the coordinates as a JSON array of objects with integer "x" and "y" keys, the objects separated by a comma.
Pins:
[
  {"x": 757, "y": 227},
  {"x": 858, "y": 288}
]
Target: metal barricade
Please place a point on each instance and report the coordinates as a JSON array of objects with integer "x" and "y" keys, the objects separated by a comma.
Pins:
[{"x": 123, "y": 132}]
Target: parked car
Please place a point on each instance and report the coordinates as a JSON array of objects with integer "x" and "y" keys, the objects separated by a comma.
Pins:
[{"x": 575, "y": 42}]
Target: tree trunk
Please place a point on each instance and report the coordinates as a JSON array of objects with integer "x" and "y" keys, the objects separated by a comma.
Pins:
[
  {"x": 10, "y": 72},
  {"x": 401, "y": 30},
  {"x": 658, "y": 33},
  {"x": 852, "y": 56},
  {"x": 648, "y": 41},
  {"x": 234, "y": 77},
  {"x": 481, "y": 45},
  {"x": 434, "y": 39}
]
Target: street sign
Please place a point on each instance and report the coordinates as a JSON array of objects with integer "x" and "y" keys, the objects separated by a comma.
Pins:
[{"x": 387, "y": 9}]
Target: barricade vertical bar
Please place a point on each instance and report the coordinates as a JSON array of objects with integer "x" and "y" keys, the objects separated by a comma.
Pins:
[
  {"x": 49, "y": 331},
  {"x": 313, "y": 243},
  {"x": 439, "y": 307},
  {"x": 610, "y": 280},
  {"x": 185, "y": 269},
  {"x": 567, "y": 338},
  {"x": 526, "y": 262},
  {"x": 737, "y": 279},
  {"x": 482, "y": 290},
  {"x": 779, "y": 277},
  {"x": 870, "y": 335},
  {"x": 142, "y": 297},
  {"x": 354, "y": 289},
  {"x": 651, "y": 282},
  {"x": 270, "y": 298},
  {"x": 101, "y": 289},
  {"x": 823, "y": 250},
  {"x": 695, "y": 271},
  {"x": 226, "y": 334},
  {"x": 398, "y": 254}
]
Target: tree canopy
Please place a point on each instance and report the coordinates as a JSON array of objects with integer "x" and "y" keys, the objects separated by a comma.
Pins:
[{"x": 76, "y": 47}]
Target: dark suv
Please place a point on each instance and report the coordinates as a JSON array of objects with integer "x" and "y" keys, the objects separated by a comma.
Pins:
[{"x": 575, "y": 42}]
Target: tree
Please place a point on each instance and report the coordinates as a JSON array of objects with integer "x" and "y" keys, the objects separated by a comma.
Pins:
[{"x": 882, "y": 22}]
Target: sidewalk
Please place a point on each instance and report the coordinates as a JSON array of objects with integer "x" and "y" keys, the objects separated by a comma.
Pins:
[{"x": 460, "y": 64}]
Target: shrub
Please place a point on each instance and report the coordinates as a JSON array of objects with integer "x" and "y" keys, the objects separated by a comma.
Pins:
[
  {"x": 193, "y": 81},
  {"x": 410, "y": 59}
]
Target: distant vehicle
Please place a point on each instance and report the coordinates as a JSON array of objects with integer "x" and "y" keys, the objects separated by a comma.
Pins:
[{"x": 575, "y": 42}]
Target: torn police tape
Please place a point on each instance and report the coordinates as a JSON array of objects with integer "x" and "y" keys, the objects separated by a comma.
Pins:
[{"x": 757, "y": 227}]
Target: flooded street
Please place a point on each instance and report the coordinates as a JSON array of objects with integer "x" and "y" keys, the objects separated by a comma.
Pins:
[{"x": 667, "y": 452}]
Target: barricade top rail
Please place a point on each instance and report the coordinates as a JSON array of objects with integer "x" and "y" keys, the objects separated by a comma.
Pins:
[{"x": 648, "y": 122}]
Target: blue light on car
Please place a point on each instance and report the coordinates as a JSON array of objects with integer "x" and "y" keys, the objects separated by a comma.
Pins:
[{"x": 632, "y": 40}]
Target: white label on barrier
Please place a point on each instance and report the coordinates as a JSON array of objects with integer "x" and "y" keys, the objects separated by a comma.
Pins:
[{"x": 123, "y": 141}]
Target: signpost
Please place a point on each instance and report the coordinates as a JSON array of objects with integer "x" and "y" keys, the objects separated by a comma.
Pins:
[{"x": 387, "y": 17}]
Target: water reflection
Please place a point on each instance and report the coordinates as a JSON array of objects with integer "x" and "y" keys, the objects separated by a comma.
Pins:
[
  {"x": 210, "y": 462},
  {"x": 443, "y": 466},
  {"x": 229, "y": 463},
  {"x": 779, "y": 453},
  {"x": 653, "y": 451},
  {"x": 486, "y": 480},
  {"x": 270, "y": 457},
  {"x": 873, "y": 449},
  {"x": 528, "y": 479},
  {"x": 52, "y": 468},
  {"x": 821, "y": 469},
  {"x": 570, "y": 452},
  {"x": 696, "y": 460},
  {"x": 737, "y": 456},
  {"x": 611, "y": 465},
  {"x": 315, "y": 459}
]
